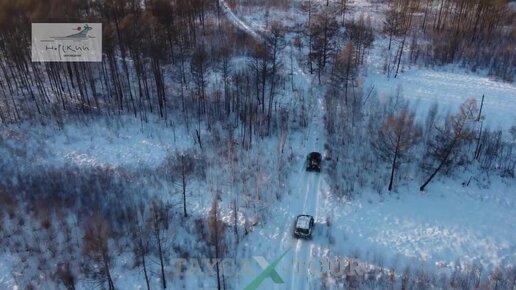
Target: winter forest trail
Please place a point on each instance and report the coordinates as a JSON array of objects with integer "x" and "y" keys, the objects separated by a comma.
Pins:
[
  {"x": 307, "y": 194},
  {"x": 310, "y": 187}
]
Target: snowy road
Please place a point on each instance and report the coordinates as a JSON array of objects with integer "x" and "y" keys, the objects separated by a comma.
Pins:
[
  {"x": 236, "y": 21},
  {"x": 310, "y": 185},
  {"x": 307, "y": 195}
]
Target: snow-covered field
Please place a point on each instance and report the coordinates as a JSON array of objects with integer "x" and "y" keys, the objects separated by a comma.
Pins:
[
  {"x": 104, "y": 142},
  {"x": 424, "y": 87},
  {"x": 448, "y": 223},
  {"x": 448, "y": 87}
]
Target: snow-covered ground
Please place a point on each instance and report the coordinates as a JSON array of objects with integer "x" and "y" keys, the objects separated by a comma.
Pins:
[
  {"x": 448, "y": 87},
  {"x": 104, "y": 142},
  {"x": 448, "y": 223},
  {"x": 424, "y": 87}
]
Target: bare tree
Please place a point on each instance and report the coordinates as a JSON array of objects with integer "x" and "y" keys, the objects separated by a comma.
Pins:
[
  {"x": 140, "y": 235},
  {"x": 323, "y": 29},
  {"x": 457, "y": 129},
  {"x": 96, "y": 250},
  {"x": 342, "y": 8},
  {"x": 345, "y": 70},
  {"x": 180, "y": 167},
  {"x": 309, "y": 8},
  {"x": 398, "y": 134},
  {"x": 66, "y": 276},
  {"x": 275, "y": 43},
  {"x": 199, "y": 66},
  {"x": 216, "y": 231},
  {"x": 260, "y": 64},
  {"x": 392, "y": 22},
  {"x": 361, "y": 34},
  {"x": 158, "y": 222}
]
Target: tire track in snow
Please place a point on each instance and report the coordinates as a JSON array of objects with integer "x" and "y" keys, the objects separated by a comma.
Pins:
[
  {"x": 237, "y": 22},
  {"x": 311, "y": 181},
  {"x": 300, "y": 276}
]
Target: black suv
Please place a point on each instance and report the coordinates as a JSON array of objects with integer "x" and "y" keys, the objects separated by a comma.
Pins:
[
  {"x": 304, "y": 226},
  {"x": 313, "y": 161}
]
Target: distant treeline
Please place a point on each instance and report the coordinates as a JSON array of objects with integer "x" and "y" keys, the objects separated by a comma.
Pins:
[{"x": 479, "y": 34}]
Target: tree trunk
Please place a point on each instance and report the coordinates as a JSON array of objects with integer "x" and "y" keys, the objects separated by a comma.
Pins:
[
  {"x": 107, "y": 272},
  {"x": 183, "y": 176},
  {"x": 443, "y": 161},
  {"x": 218, "y": 276},
  {"x": 399, "y": 55},
  {"x": 393, "y": 166},
  {"x": 144, "y": 264},
  {"x": 160, "y": 252}
]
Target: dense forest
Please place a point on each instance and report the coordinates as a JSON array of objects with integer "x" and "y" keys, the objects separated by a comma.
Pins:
[{"x": 158, "y": 58}]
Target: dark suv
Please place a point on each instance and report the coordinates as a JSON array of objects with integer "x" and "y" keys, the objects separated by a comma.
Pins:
[
  {"x": 313, "y": 162},
  {"x": 304, "y": 226}
]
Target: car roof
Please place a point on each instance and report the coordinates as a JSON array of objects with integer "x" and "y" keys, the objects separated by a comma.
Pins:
[{"x": 303, "y": 221}]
